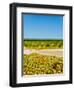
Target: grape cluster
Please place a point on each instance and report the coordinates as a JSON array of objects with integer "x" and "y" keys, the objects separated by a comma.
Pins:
[{"x": 42, "y": 64}]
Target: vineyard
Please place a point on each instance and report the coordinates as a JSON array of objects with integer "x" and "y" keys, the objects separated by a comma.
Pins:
[
  {"x": 43, "y": 44},
  {"x": 42, "y": 57},
  {"x": 42, "y": 64}
]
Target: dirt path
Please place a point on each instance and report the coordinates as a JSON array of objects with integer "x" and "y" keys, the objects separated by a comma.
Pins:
[{"x": 51, "y": 52}]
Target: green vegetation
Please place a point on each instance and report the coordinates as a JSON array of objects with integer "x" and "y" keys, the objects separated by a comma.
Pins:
[
  {"x": 43, "y": 44},
  {"x": 42, "y": 64}
]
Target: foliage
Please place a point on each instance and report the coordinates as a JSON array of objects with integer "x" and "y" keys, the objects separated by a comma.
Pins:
[
  {"x": 43, "y": 44},
  {"x": 42, "y": 64}
]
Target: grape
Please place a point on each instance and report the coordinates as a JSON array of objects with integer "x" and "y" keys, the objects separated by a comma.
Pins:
[{"x": 42, "y": 64}]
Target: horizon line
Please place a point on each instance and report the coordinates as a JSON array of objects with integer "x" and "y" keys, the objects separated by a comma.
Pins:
[{"x": 42, "y": 39}]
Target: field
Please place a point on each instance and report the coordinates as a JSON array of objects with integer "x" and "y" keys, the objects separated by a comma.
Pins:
[
  {"x": 42, "y": 57},
  {"x": 42, "y": 64},
  {"x": 43, "y": 44}
]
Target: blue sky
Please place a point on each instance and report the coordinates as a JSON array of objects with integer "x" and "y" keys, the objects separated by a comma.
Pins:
[{"x": 42, "y": 26}]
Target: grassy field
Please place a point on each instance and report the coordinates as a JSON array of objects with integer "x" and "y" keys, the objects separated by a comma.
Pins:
[
  {"x": 43, "y": 44},
  {"x": 42, "y": 64}
]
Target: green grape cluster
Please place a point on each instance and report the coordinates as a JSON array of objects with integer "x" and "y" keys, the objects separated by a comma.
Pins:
[{"x": 42, "y": 64}]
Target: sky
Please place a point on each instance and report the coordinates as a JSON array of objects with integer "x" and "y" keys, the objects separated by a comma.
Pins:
[{"x": 37, "y": 26}]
